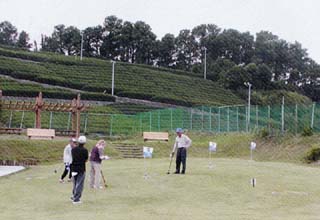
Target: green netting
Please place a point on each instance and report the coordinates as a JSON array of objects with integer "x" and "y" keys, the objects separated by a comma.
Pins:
[{"x": 275, "y": 119}]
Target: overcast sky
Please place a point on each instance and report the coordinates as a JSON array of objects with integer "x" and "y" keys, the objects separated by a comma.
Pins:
[{"x": 292, "y": 20}]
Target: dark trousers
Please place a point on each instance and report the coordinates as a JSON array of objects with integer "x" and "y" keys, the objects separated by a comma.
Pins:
[
  {"x": 181, "y": 158},
  {"x": 78, "y": 182},
  {"x": 65, "y": 172}
]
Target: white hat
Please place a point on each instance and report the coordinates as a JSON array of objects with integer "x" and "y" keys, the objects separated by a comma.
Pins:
[{"x": 82, "y": 139}]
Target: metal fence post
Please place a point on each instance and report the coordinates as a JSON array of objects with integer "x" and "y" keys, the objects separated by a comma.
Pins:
[
  {"x": 159, "y": 120},
  {"x": 257, "y": 117},
  {"x": 247, "y": 125},
  {"x": 190, "y": 118},
  {"x": 111, "y": 121},
  {"x": 282, "y": 115},
  {"x": 228, "y": 119},
  {"x": 22, "y": 118},
  {"x": 296, "y": 119},
  {"x": 312, "y": 115},
  {"x": 140, "y": 120},
  {"x": 210, "y": 120},
  {"x": 237, "y": 119},
  {"x": 150, "y": 120},
  {"x": 50, "y": 123},
  {"x": 68, "y": 123},
  {"x": 202, "y": 119},
  {"x": 269, "y": 118},
  {"x": 85, "y": 123},
  {"x": 10, "y": 119},
  {"x": 171, "y": 126},
  {"x": 219, "y": 116}
]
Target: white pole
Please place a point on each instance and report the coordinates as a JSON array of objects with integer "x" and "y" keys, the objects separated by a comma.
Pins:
[
  {"x": 69, "y": 119},
  {"x": 205, "y": 64},
  {"x": 312, "y": 115},
  {"x": 112, "y": 87},
  {"x": 219, "y": 125},
  {"x": 249, "y": 104},
  {"x": 86, "y": 123},
  {"x": 296, "y": 119},
  {"x": 81, "y": 50},
  {"x": 228, "y": 119},
  {"x": 10, "y": 120},
  {"x": 50, "y": 122},
  {"x": 210, "y": 120},
  {"x": 171, "y": 119},
  {"x": 282, "y": 115},
  {"x": 237, "y": 119},
  {"x": 22, "y": 117},
  {"x": 269, "y": 118},
  {"x": 202, "y": 118},
  {"x": 257, "y": 117},
  {"x": 191, "y": 119}
]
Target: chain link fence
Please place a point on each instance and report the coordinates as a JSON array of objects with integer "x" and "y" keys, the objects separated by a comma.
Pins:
[{"x": 224, "y": 119}]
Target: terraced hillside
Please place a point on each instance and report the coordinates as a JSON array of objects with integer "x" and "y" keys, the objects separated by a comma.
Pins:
[{"x": 94, "y": 75}]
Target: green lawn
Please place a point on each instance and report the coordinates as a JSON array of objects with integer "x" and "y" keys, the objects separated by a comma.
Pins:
[{"x": 283, "y": 191}]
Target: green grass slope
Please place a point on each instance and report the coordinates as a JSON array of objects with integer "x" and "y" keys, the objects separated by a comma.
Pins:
[
  {"x": 135, "y": 81},
  {"x": 281, "y": 149}
]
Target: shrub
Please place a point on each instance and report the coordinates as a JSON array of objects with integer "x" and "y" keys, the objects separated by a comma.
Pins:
[
  {"x": 307, "y": 131},
  {"x": 263, "y": 133},
  {"x": 312, "y": 155}
]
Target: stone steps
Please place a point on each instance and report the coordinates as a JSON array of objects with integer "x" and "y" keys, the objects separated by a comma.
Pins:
[{"x": 130, "y": 151}]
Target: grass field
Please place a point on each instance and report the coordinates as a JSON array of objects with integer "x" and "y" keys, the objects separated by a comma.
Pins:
[{"x": 283, "y": 191}]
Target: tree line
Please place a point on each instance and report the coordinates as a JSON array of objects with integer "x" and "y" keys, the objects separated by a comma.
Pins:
[{"x": 232, "y": 57}]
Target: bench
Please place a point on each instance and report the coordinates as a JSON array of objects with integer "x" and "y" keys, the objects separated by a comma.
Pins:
[
  {"x": 156, "y": 136},
  {"x": 10, "y": 131},
  {"x": 36, "y": 133}
]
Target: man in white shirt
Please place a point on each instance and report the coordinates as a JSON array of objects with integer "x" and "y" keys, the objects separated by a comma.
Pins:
[{"x": 182, "y": 143}]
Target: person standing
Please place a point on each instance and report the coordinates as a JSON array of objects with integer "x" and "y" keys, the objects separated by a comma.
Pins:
[
  {"x": 67, "y": 159},
  {"x": 96, "y": 157},
  {"x": 182, "y": 142},
  {"x": 78, "y": 169}
]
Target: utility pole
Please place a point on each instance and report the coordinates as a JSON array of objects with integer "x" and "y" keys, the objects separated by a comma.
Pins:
[
  {"x": 205, "y": 63},
  {"x": 112, "y": 86},
  {"x": 249, "y": 104},
  {"x": 81, "y": 50}
]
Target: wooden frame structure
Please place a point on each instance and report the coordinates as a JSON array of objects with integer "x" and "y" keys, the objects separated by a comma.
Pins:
[{"x": 75, "y": 107}]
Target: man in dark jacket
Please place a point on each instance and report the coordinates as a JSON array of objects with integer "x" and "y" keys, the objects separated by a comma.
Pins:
[{"x": 78, "y": 168}]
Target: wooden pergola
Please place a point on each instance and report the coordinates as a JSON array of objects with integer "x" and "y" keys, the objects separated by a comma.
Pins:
[{"x": 75, "y": 107}]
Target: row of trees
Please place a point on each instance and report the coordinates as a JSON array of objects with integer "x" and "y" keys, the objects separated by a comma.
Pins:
[
  {"x": 9, "y": 36},
  {"x": 233, "y": 57}
]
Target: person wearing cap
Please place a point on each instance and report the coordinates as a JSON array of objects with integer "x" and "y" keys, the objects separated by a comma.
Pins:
[
  {"x": 67, "y": 159},
  {"x": 181, "y": 143},
  {"x": 96, "y": 157},
  {"x": 78, "y": 169}
]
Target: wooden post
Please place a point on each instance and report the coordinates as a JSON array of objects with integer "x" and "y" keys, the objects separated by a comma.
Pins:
[
  {"x": 73, "y": 116},
  {"x": 76, "y": 111},
  {"x": 0, "y": 102},
  {"x": 38, "y": 107},
  {"x": 78, "y": 116}
]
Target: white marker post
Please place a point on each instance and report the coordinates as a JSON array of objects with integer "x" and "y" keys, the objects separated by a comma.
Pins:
[
  {"x": 212, "y": 148},
  {"x": 253, "y": 146},
  {"x": 147, "y": 153}
]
